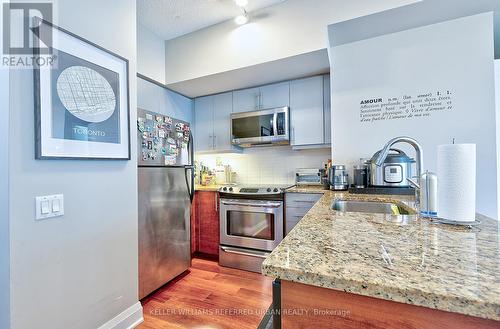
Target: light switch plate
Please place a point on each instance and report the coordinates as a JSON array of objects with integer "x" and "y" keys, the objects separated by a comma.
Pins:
[{"x": 49, "y": 206}]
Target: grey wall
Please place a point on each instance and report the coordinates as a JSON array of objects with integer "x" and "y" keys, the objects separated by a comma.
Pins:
[
  {"x": 154, "y": 98},
  {"x": 4, "y": 201},
  {"x": 79, "y": 270},
  {"x": 150, "y": 54}
]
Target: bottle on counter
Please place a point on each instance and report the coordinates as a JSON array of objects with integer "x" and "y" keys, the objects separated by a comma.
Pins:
[{"x": 428, "y": 194}]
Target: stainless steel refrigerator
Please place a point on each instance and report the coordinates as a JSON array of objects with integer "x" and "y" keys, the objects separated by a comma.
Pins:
[{"x": 166, "y": 187}]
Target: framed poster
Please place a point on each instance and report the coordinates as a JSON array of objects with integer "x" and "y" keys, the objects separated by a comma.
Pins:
[{"x": 81, "y": 99}]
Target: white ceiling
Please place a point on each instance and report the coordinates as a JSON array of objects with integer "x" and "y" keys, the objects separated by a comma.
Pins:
[{"x": 172, "y": 18}]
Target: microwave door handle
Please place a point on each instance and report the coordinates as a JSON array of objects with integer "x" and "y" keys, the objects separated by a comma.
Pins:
[{"x": 275, "y": 124}]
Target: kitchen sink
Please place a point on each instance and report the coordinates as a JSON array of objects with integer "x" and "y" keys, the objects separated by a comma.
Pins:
[{"x": 373, "y": 207}]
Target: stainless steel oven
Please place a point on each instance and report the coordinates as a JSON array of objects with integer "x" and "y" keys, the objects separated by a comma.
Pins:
[
  {"x": 256, "y": 224},
  {"x": 251, "y": 226},
  {"x": 260, "y": 127}
]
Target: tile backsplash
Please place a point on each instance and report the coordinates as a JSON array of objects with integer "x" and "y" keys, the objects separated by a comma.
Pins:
[{"x": 268, "y": 165}]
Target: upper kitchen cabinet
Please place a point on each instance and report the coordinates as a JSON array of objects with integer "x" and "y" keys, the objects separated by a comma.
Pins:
[
  {"x": 212, "y": 130},
  {"x": 327, "y": 109},
  {"x": 307, "y": 111},
  {"x": 204, "y": 123},
  {"x": 246, "y": 100},
  {"x": 275, "y": 95},
  {"x": 264, "y": 97},
  {"x": 223, "y": 106}
]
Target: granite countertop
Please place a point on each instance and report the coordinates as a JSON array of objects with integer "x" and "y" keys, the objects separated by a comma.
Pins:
[
  {"x": 450, "y": 268},
  {"x": 306, "y": 189}
]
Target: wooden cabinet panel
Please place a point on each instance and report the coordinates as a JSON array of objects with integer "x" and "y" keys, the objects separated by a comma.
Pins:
[
  {"x": 194, "y": 225},
  {"x": 206, "y": 223},
  {"x": 306, "y": 111},
  {"x": 327, "y": 308}
]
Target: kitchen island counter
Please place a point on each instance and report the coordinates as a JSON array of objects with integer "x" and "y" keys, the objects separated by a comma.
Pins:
[{"x": 423, "y": 263}]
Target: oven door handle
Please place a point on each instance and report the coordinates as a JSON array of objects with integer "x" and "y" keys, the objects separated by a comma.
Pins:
[
  {"x": 259, "y": 254},
  {"x": 261, "y": 205}
]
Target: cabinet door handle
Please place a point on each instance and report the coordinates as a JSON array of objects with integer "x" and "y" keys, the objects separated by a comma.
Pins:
[
  {"x": 216, "y": 203},
  {"x": 215, "y": 142}
]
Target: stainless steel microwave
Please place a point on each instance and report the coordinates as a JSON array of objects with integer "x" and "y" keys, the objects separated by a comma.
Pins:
[{"x": 263, "y": 127}]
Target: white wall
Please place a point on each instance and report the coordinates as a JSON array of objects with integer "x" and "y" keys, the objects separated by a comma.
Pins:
[
  {"x": 268, "y": 165},
  {"x": 150, "y": 54},
  {"x": 457, "y": 56},
  {"x": 288, "y": 29},
  {"x": 80, "y": 270},
  {"x": 154, "y": 98},
  {"x": 497, "y": 116},
  {"x": 4, "y": 198}
]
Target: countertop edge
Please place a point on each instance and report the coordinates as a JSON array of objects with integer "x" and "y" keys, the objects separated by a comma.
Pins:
[{"x": 454, "y": 304}]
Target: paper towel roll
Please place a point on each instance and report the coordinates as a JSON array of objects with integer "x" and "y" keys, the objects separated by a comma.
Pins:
[{"x": 457, "y": 182}]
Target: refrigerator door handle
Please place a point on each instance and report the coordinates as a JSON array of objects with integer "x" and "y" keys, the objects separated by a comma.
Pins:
[{"x": 190, "y": 187}]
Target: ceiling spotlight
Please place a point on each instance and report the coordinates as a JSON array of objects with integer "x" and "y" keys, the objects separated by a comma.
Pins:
[
  {"x": 241, "y": 3},
  {"x": 241, "y": 19}
]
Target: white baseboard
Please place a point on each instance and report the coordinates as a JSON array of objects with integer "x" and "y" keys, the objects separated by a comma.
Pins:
[{"x": 128, "y": 319}]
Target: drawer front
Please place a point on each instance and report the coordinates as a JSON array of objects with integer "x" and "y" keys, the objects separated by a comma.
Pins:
[
  {"x": 296, "y": 212},
  {"x": 297, "y": 205},
  {"x": 290, "y": 223}
]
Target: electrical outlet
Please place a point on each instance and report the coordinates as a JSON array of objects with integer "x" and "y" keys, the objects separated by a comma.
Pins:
[{"x": 49, "y": 206}]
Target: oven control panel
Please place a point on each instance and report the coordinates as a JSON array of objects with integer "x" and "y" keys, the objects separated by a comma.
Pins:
[{"x": 252, "y": 190}]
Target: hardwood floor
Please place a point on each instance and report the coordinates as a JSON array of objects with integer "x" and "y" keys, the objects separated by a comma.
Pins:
[{"x": 209, "y": 297}]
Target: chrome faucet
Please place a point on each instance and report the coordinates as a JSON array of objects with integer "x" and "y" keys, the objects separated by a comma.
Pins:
[
  {"x": 419, "y": 159},
  {"x": 418, "y": 150}
]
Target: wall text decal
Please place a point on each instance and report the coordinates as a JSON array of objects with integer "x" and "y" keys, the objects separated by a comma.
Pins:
[{"x": 406, "y": 106}]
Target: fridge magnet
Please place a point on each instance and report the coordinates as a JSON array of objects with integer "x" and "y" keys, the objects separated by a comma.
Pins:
[
  {"x": 170, "y": 160},
  {"x": 140, "y": 126},
  {"x": 172, "y": 149},
  {"x": 179, "y": 126},
  {"x": 81, "y": 100}
]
